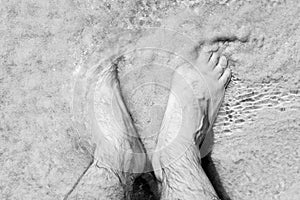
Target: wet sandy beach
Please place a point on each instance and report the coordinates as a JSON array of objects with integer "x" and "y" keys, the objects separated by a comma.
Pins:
[{"x": 45, "y": 148}]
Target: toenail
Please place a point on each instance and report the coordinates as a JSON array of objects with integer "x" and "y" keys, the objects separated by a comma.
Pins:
[{"x": 223, "y": 61}]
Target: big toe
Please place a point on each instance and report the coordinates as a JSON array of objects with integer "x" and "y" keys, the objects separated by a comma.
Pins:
[{"x": 206, "y": 53}]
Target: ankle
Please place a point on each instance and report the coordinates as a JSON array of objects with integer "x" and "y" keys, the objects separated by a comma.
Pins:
[
  {"x": 175, "y": 156},
  {"x": 186, "y": 169}
]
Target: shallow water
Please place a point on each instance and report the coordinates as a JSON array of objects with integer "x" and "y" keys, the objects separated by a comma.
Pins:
[
  {"x": 256, "y": 151},
  {"x": 244, "y": 100},
  {"x": 43, "y": 155}
]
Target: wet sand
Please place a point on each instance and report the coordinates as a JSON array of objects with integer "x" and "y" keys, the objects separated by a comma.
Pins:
[{"x": 45, "y": 148}]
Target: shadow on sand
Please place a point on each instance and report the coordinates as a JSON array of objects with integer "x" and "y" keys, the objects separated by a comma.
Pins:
[{"x": 213, "y": 175}]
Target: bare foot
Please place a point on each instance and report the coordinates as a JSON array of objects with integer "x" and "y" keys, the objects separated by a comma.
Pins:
[
  {"x": 197, "y": 91},
  {"x": 119, "y": 156},
  {"x": 118, "y": 144}
]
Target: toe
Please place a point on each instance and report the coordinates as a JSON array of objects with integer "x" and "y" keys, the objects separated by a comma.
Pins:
[
  {"x": 214, "y": 59},
  {"x": 206, "y": 52},
  {"x": 225, "y": 78},
  {"x": 211, "y": 48},
  {"x": 219, "y": 69},
  {"x": 223, "y": 62},
  {"x": 204, "y": 56}
]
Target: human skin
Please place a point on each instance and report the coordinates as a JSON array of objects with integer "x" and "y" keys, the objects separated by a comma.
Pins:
[
  {"x": 99, "y": 182},
  {"x": 119, "y": 155},
  {"x": 200, "y": 87}
]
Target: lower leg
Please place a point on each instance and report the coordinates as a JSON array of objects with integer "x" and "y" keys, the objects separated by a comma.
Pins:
[
  {"x": 185, "y": 179},
  {"x": 99, "y": 183}
]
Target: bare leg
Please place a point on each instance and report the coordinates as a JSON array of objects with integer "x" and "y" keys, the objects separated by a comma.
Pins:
[
  {"x": 119, "y": 154},
  {"x": 98, "y": 183},
  {"x": 200, "y": 90}
]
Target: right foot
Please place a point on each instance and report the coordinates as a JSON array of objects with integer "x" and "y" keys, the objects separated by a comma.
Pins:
[
  {"x": 200, "y": 89},
  {"x": 119, "y": 156}
]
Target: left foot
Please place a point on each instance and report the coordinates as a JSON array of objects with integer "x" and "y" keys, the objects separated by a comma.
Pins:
[
  {"x": 119, "y": 156},
  {"x": 118, "y": 145}
]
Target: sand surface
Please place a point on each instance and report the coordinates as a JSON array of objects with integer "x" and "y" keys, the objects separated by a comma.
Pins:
[{"x": 45, "y": 143}]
